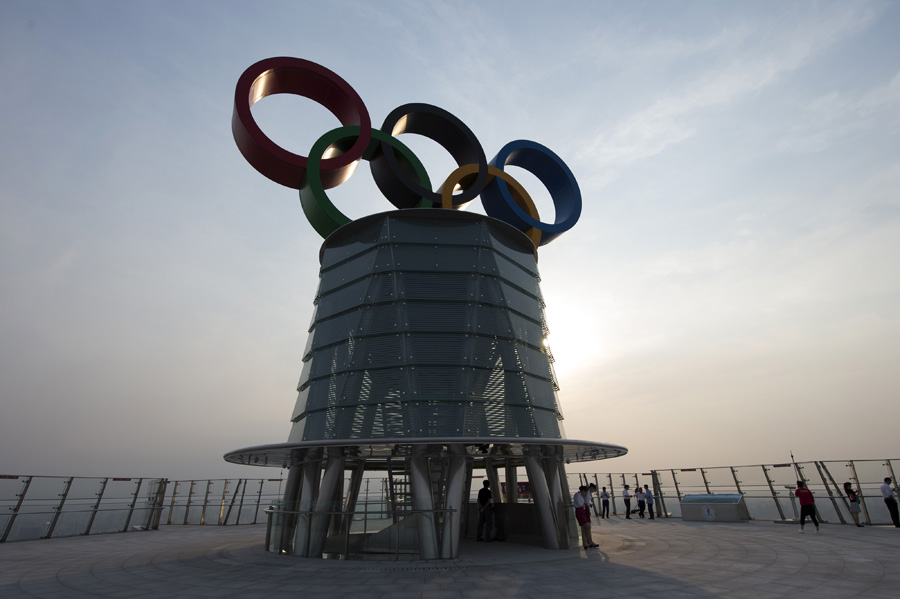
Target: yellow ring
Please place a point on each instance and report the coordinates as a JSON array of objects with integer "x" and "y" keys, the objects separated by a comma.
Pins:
[{"x": 464, "y": 176}]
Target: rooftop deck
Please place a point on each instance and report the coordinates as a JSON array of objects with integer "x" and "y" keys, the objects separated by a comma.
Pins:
[{"x": 663, "y": 558}]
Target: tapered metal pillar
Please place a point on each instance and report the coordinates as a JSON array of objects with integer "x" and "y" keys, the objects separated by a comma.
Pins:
[
  {"x": 289, "y": 518},
  {"x": 540, "y": 492},
  {"x": 455, "y": 503},
  {"x": 512, "y": 484},
  {"x": 327, "y": 502},
  {"x": 309, "y": 489},
  {"x": 557, "y": 501},
  {"x": 490, "y": 469},
  {"x": 356, "y": 479},
  {"x": 420, "y": 481}
]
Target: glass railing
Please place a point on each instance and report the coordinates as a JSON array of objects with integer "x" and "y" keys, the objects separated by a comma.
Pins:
[
  {"x": 42, "y": 507},
  {"x": 768, "y": 489}
]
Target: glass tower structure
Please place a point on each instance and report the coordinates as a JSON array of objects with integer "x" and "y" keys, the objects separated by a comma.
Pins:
[{"x": 426, "y": 359}]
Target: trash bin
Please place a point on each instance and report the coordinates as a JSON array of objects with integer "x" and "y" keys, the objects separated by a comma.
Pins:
[{"x": 714, "y": 508}]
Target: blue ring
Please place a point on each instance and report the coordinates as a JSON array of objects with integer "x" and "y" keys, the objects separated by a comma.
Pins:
[{"x": 549, "y": 168}]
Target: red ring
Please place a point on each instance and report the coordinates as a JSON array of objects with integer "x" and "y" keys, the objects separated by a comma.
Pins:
[{"x": 285, "y": 75}]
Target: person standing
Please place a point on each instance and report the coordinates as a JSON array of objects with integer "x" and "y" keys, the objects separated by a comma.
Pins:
[
  {"x": 807, "y": 505},
  {"x": 889, "y": 501},
  {"x": 641, "y": 499},
  {"x": 582, "y": 502},
  {"x": 604, "y": 503},
  {"x": 648, "y": 497},
  {"x": 853, "y": 498},
  {"x": 627, "y": 497},
  {"x": 485, "y": 512}
]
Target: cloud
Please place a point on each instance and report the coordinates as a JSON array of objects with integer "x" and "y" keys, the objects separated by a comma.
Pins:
[
  {"x": 836, "y": 116},
  {"x": 678, "y": 115}
]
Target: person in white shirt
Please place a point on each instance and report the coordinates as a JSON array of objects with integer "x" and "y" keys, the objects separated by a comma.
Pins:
[
  {"x": 582, "y": 501},
  {"x": 641, "y": 499},
  {"x": 604, "y": 503},
  {"x": 627, "y": 497},
  {"x": 889, "y": 501}
]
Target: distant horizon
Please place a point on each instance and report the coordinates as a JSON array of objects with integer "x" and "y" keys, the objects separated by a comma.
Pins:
[{"x": 574, "y": 468}]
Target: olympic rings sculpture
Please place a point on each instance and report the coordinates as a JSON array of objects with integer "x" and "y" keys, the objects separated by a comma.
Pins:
[{"x": 396, "y": 170}]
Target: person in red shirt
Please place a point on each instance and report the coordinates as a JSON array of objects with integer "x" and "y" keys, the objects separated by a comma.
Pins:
[{"x": 807, "y": 505}]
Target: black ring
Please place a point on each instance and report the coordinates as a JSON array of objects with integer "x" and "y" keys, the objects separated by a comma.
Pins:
[{"x": 400, "y": 186}]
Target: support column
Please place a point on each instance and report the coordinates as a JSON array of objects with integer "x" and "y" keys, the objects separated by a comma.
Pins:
[
  {"x": 551, "y": 469},
  {"x": 493, "y": 477},
  {"x": 337, "y": 520},
  {"x": 541, "y": 494},
  {"x": 512, "y": 483},
  {"x": 568, "y": 528},
  {"x": 420, "y": 483},
  {"x": 455, "y": 503},
  {"x": 288, "y": 506},
  {"x": 356, "y": 479},
  {"x": 326, "y": 502},
  {"x": 309, "y": 489}
]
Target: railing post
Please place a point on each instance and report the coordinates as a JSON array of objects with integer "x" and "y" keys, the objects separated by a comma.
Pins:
[
  {"x": 158, "y": 505},
  {"x": 820, "y": 466},
  {"x": 737, "y": 483},
  {"x": 172, "y": 503},
  {"x": 677, "y": 488},
  {"x": 62, "y": 501},
  {"x": 772, "y": 489},
  {"x": 612, "y": 494},
  {"x": 187, "y": 507},
  {"x": 241, "y": 504},
  {"x": 862, "y": 500},
  {"x": 134, "y": 498},
  {"x": 15, "y": 511},
  {"x": 657, "y": 489},
  {"x": 231, "y": 505},
  {"x": 205, "y": 502},
  {"x": 95, "y": 507},
  {"x": 258, "y": 500},
  {"x": 224, "y": 499},
  {"x": 705, "y": 482}
]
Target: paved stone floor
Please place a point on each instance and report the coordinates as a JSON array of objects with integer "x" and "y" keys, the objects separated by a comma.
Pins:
[{"x": 660, "y": 559}]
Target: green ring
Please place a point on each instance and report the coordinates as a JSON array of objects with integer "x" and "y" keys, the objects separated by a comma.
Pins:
[{"x": 322, "y": 214}]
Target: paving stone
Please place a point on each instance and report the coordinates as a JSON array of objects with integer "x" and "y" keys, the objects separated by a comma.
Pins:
[{"x": 672, "y": 559}]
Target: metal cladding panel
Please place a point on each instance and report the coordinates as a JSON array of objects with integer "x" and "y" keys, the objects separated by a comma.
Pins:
[
  {"x": 427, "y": 326},
  {"x": 516, "y": 275},
  {"x": 529, "y": 305},
  {"x": 437, "y": 316},
  {"x": 332, "y": 330},
  {"x": 509, "y": 354},
  {"x": 492, "y": 320},
  {"x": 366, "y": 235},
  {"x": 355, "y": 269},
  {"x": 344, "y": 298},
  {"x": 379, "y": 319},
  {"x": 437, "y": 286},
  {"x": 438, "y": 348},
  {"x": 364, "y": 353},
  {"x": 300, "y": 407},
  {"x": 445, "y": 232},
  {"x": 527, "y": 330}
]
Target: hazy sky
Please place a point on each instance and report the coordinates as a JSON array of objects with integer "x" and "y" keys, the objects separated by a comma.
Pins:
[{"x": 730, "y": 293}]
